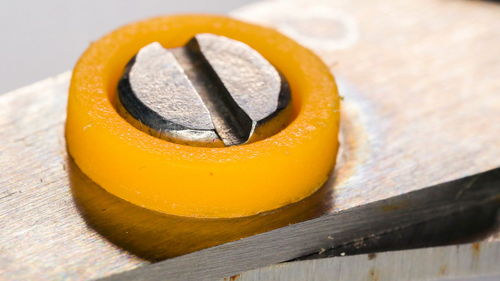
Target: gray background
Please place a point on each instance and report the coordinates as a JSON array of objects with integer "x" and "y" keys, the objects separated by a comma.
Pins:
[{"x": 43, "y": 38}]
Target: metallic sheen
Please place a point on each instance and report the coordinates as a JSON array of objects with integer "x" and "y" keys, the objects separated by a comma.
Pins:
[
  {"x": 418, "y": 110},
  {"x": 466, "y": 262},
  {"x": 213, "y": 89}
]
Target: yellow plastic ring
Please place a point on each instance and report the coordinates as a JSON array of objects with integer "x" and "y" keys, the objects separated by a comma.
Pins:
[{"x": 202, "y": 181}]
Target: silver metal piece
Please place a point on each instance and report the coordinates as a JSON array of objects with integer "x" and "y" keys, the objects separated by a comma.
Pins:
[
  {"x": 213, "y": 89},
  {"x": 449, "y": 201},
  {"x": 390, "y": 147},
  {"x": 47, "y": 234},
  {"x": 467, "y": 262},
  {"x": 157, "y": 93}
]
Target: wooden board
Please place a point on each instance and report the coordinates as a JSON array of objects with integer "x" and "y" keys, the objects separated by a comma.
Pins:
[{"x": 421, "y": 87}]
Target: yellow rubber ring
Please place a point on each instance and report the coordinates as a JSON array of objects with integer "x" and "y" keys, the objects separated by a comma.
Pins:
[{"x": 193, "y": 181}]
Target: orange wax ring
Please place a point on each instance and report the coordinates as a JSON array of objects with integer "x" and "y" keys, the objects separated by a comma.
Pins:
[{"x": 210, "y": 182}]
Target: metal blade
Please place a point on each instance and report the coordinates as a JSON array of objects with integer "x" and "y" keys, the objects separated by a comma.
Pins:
[
  {"x": 375, "y": 219},
  {"x": 467, "y": 262},
  {"x": 419, "y": 110}
]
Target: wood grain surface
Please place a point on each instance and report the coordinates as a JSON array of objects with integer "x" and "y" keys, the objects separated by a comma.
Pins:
[{"x": 420, "y": 81}]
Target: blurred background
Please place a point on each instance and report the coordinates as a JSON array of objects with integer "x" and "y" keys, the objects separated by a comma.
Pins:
[{"x": 43, "y": 38}]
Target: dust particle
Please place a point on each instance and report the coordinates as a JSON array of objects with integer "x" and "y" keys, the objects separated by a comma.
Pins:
[
  {"x": 373, "y": 274},
  {"x": 443, "y": 270},
  {"x": 476, "y": 249}
]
